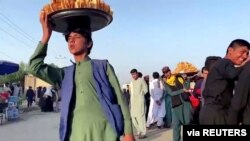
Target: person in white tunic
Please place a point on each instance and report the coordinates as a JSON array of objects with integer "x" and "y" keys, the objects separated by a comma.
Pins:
[
  {"x": 138, "y": 89},
  {"x": 17, "y": 90},
  {"x": 157, "y": 103}
]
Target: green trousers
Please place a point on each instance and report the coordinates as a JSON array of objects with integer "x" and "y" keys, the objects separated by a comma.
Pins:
[
  {"x": 168, "y": 108},
  {"x": 181, "y": 116}
]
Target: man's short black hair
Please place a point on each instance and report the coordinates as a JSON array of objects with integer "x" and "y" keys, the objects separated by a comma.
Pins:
[
  {"x": 203, "y": 69},
  {"x": 133, "y": 71},
  {"x": 84, "y": 32},
  {"x": 238, "y": 42},
  {"x": 140, "y": 74},
  {"x": 210, "y": 60},
  {"x": 156, "y": 75}
]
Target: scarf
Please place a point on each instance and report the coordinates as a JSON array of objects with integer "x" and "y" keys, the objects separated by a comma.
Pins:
[{"x": 172, "y": 79}]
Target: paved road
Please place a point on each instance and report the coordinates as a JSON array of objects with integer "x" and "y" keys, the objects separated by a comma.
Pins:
[{"x": 34, "y": 125}]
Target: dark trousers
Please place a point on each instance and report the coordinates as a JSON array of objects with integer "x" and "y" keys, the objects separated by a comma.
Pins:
[
  {"x": 147, "y": 102},
  {"x": 181, "y": 116},
  {"x": 29, "y": 104},
  {"x": 212, "y": 115},
  {"x": 168, "y": 108},
  {"x": 196, "y": 113}
]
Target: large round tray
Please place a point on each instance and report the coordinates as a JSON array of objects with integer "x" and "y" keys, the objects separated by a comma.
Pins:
[
  {"x": 187, "y": 73},
  {"x": 62, "y": 20}
]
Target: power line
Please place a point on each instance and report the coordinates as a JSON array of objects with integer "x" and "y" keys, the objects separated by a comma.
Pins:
[
  {"x": 18, "y": 29},
  {"x": 15, "y": 37},
  {"x": 15, "y": 27},
  {"x": 8, "y": 56}
]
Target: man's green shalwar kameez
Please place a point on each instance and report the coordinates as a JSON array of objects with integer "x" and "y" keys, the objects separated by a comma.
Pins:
[
  {"x": 182, "y": 113},
  {"x": 87, "y": 119}
]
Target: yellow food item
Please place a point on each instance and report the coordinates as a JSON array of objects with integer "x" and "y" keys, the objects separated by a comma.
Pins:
[
  {"x": 185, "y": 67},
  {"x": 57, "y": 5}
]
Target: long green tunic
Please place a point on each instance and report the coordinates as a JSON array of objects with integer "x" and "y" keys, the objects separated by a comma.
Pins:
[
  {"x": 88, "y": 122},
  {"x": 181, "y": 115},
  {"x": 138, "y": 90}
]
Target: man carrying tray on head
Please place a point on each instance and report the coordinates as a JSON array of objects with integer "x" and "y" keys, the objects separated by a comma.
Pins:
[
  {"x": 93, "y": 107},
  {"x": 181, "y": 107}
]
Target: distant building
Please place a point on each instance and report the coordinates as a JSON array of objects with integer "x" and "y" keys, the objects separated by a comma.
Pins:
[{"x": 34, "y": 82}]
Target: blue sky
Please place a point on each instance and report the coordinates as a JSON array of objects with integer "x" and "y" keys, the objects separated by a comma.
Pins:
[{"x": 144, "y": 34}]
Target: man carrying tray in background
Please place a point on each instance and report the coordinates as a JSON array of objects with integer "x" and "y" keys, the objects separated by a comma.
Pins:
[{"x": 93, "y": 107}]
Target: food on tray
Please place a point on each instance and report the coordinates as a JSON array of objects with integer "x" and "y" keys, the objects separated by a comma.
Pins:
[
  {"x": 57, "y": 5},
  {"x": 185, "y": 67}
]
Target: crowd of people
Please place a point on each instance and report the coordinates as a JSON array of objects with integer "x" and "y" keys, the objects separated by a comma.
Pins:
[
  {"x": 220, "y": 89},
  {"x": 166, "y": 100},
  {"x": 47, "y": 98},
  {"x": 169, "y": 104},
  {"x": 7, "y": 90},
  {"x": 93, "y": 107}
]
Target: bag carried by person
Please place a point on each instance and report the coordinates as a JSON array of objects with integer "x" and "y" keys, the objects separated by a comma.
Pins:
[{"x": 195, "y": 102}]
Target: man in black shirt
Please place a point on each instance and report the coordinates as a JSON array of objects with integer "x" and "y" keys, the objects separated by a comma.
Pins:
[
  {"x": 220, "y": 83},
  {"x": 239, "y": 111}
]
